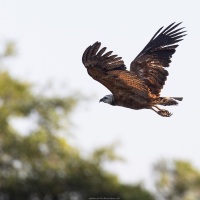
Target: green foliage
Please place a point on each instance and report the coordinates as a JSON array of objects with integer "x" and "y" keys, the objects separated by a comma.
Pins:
[
  {"x": 9, "y": 50},
  {"x": 134, "y": 192},
  {"x": 177, "y": 180},
  {"x": 41, "y": 164},
  {"x": 107, "y": 153}
]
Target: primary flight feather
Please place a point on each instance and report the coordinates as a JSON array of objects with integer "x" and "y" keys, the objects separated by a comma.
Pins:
[{"x": 140, "y": 87}]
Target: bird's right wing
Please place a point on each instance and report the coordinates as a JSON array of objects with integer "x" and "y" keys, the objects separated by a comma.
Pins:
[
  {"x": 150, "y": 65},
  {"x": 110, "y": 71}
]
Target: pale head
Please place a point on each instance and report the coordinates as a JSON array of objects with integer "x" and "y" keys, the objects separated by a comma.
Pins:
[{"x": 107, "y": 99}]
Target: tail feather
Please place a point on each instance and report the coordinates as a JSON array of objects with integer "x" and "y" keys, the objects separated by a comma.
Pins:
[
  {"x": 168, "y": 101},
  {"x": 177, "y": 98}
]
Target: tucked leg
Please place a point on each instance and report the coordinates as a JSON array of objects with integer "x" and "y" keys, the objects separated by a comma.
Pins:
[{"x": 161, "y": 112}]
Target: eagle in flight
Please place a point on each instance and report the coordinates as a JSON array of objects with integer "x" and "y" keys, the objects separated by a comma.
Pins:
[{"x": 139, "y": 87}]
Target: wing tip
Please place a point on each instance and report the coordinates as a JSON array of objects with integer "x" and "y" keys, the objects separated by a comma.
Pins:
[
  {"x": 90, "y": 50},
  {"x": 93, "y": 54}
]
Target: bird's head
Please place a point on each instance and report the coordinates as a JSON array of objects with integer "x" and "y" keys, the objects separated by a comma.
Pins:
[{"x": 107, "y": 99}]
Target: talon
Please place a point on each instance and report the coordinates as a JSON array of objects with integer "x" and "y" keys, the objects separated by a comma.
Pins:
[{"x": 164, "y": 113}]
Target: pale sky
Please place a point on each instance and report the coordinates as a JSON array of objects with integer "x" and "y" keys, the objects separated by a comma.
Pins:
[{"x": 51, "y": 37}]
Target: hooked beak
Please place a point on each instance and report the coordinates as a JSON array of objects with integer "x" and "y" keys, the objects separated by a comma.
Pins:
[{"x": 100, "y": 100}]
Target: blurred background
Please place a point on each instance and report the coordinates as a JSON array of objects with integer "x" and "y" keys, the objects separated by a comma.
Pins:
[{"x": 56, "y": 141}]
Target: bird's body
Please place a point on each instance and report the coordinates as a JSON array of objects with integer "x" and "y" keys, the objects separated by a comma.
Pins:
[{"x": 140, "y": 87}]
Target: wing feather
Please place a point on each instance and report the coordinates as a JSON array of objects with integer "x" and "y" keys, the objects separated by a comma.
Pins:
[
  {"x": 105, "y": 61},
  {"x": 101, "y": 51},
  {"x": 110, "y": 71},
  {"x": 151, "y": 62}
]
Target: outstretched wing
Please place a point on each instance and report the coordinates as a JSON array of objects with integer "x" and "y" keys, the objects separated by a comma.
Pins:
[
  {"x": 106, "y": 62},
  {"x": 110, "y": 71},
  {"x": 150, "y": 64}
]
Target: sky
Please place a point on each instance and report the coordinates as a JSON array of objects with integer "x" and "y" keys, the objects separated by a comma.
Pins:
[{"x": 51, "y": 37}]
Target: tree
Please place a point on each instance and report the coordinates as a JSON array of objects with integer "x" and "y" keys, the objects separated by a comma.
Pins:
[
  {"x": 177, "y": 180},
  {"x": 41, "y": 164}
]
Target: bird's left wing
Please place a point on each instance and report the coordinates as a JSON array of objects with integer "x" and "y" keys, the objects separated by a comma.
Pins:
[
  {"x": 151, "y": 62},
  {"x": 110, "y": 71},
  {"x": 106, "y": 62}
]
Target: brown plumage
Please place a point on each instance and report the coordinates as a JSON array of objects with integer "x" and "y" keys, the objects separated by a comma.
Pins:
[{"x": 140, "y": 87}]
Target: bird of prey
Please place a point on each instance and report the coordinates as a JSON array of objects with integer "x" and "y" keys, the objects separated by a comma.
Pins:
[{"x": 140, "y": 87}]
